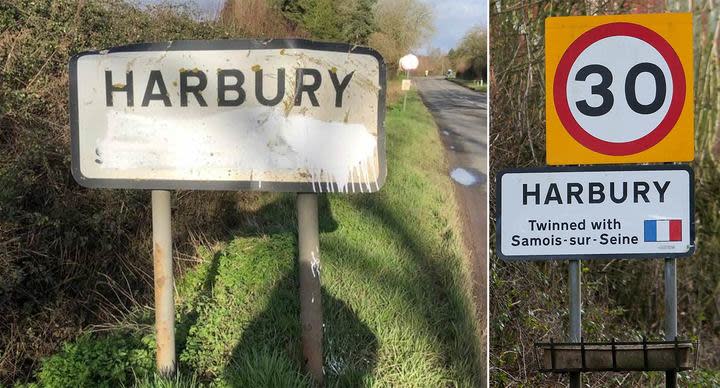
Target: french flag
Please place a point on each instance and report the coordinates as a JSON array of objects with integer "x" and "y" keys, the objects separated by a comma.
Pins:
[{"x": 663, "y": 230}]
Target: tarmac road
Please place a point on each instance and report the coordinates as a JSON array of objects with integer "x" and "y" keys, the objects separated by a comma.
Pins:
[{"x": 460, "y": 114}]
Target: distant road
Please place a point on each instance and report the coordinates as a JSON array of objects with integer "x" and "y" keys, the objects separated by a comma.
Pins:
[{"x": 461, "y": 117}]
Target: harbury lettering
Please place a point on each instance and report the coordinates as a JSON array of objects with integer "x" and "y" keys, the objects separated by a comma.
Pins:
[
  {"x": 230, "y": 87},
  {"x": 593, "y": 192}
]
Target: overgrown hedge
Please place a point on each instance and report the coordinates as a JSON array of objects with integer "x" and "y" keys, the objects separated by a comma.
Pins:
[{"x": 71, "y": 257}]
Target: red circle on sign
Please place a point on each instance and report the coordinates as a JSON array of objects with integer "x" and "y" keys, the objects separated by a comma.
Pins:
[{"x": 563, "y": 72}]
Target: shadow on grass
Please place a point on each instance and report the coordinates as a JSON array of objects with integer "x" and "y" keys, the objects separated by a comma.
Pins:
[
  {"x": 269, "y": 352},
  {"x": 439, "y": 299}
]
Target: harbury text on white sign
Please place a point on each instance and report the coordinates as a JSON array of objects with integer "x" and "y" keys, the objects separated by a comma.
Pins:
[
  {"x": 587, "y": 212},
  {"x": 280, "y": 115}
]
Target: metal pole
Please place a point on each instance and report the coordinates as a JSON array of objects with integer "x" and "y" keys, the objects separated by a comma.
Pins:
[
  {"x": 310, "y": 303},
  {"x": 407, "y": 77},
  {"x": 575, "y": 334},
  {"x": 164, "y": 283},
  {"x": 670, "y": 313}
]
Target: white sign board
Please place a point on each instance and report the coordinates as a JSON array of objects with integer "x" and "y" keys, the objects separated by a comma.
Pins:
[
  {"x": 409, "y": 62},
  {"x": 279, "y": 115},
  {"x": 590, "y": 212},
  {"x": 405, "y": 85}
]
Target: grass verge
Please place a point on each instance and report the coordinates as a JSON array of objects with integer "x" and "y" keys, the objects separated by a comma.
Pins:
[
  {"x": 396, "y": 301},
  {"x": 470, "y": 84}
]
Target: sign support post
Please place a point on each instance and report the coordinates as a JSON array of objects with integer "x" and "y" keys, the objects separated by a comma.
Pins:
[
  {"x": 164, "y": 283},
  {"x": 310, "y": 293},
  {"x": 670, "y": 312},
  {"x": 575, "y": 334},
  {"x": 407, "y": 76}
]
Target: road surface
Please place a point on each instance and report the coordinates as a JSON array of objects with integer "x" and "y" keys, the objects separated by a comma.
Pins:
[{"x": 461, "y": 117}]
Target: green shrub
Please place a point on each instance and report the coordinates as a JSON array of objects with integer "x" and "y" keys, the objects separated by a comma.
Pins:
[{"x": 98, "y": 362}]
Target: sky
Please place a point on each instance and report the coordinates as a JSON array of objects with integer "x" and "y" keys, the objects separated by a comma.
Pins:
[{"x": 453, "y": 18}]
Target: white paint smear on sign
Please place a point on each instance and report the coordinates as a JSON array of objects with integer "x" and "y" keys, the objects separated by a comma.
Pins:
[
  {"x": 325, "y": 138},
  {"x": 590, "y": 213},
  {"x": 180, "y": 147}
]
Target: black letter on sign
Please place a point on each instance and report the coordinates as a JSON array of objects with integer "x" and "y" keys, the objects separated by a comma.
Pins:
[
  {"x": 109, "y": 88},
  {"x": 641, "y": 192},
  {"x": 527, "y": 194},
  {"x": 237, "y": 87},
  {"x": 612, "y": 193},
  {"x": 553, "y": 194},
  {"x": 660, "y": 91},
  {"x": 339, "y": 86},
  {"x": 600, "y": 89},
  {"x": 662, "y": 189},
  {"x": 597, "y": 192},
  {"x": 194, "y": 89},
  {"x": 301, "y": 88},
  {"x": 574, "y": 189},
  {"x": 156, "y": 78},
  {"x": 280, "y": 88}
]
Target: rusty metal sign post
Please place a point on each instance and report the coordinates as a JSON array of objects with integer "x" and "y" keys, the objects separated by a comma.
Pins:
[
  {"x": 281, "y": 115},
  {"x": 164, "y": 283}
]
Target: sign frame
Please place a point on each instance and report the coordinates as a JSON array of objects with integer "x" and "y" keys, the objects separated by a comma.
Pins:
[
  {"x": 567, "y": 37},
  {"x": 593, "y": 168},
  {"x": 227, "y": 185}
]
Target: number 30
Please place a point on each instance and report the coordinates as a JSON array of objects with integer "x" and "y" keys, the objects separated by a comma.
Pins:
[{"x": 602, "y": 89}]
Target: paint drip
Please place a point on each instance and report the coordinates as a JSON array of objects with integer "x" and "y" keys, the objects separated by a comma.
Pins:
[{"x": 315, "y": 265}]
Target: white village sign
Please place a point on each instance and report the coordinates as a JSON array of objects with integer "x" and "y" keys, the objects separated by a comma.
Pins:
[
  {"x": 592, "y": 212},
  {"x": 281, "y": 115}
]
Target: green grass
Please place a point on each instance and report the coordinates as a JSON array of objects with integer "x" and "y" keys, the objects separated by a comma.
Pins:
[
  {"x": 470, "y": 84},
  {"x": 397, "y": 310}
]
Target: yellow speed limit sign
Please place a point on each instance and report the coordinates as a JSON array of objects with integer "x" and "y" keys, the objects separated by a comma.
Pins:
[{"x": 619, "y": 89}]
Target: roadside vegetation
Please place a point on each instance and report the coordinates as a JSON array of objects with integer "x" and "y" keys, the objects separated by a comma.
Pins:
[
  {"x": 621, "y": 299},
  {"x": 469, "y": 59},
  {"x": 475, "y": 85},
  {"x": 75, "y": 264}
]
